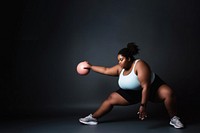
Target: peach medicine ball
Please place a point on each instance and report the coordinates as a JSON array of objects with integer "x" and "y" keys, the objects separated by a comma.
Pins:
[{"x": 81, "y": 68}]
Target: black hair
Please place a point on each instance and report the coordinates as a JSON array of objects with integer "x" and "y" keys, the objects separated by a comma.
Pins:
[{"x": 130, "y": 51}]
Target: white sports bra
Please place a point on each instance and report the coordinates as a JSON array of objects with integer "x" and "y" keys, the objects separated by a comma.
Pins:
[{"x": 131, "y": 81}]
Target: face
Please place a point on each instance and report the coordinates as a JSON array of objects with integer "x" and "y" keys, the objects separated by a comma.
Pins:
[{"x": 123, "y": 61}]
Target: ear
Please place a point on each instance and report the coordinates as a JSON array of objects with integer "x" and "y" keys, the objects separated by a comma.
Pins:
[{"x": 129, "y": 59}]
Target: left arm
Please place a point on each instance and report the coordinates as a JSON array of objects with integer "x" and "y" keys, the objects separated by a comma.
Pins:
[{"x": 144, "y": 75}]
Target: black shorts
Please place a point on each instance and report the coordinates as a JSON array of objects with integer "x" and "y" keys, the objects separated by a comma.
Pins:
[{"x": 134, "y": 96}]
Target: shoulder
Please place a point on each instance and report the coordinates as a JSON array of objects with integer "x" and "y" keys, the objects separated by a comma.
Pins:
[
  {"x": 141, "y": 64},
  {"x": 141, "y": 61},
  {"x": 119, "y": 68}
]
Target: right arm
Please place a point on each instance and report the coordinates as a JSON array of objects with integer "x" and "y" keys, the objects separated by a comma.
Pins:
[{"x": 111, "y": 71}]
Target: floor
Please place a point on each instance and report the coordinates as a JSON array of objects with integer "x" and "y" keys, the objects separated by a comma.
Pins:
[{"x": 120, "y": 120}]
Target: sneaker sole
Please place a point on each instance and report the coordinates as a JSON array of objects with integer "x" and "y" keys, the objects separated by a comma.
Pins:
[
  {"x": 88, "y": 123},
  {"x": 174, "y": 125}
]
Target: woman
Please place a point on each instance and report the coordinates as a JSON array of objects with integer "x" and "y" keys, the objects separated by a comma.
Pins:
[{"x": 138, "y": 84}]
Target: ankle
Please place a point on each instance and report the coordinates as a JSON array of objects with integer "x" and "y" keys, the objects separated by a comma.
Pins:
[{"x": 93, "y": 116}]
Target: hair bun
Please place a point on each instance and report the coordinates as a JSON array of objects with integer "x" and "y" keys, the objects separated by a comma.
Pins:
[{"x": 133, "y": 48}]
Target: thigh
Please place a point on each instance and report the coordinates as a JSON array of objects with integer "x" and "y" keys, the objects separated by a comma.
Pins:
[
  {"x": 162, "y": 93},
  {"x": 117, "y": 99},
  {"x": 155, "y": 87}
]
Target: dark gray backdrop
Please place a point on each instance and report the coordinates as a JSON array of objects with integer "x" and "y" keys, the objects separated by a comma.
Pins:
[{"x": 43, "y": 41}]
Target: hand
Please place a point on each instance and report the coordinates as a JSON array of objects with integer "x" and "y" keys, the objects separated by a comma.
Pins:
[
  {"x": 88, "y": 65},
  {"x": 142, "y": 113}
]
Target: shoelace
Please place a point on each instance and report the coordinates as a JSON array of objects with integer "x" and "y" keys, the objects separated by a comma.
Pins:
[
  {"x": 176, "y": 119},
  {"x": 88, "y": 117}
]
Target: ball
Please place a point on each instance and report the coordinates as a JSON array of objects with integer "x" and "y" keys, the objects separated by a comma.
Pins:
[{"x": 82, "y": 68}]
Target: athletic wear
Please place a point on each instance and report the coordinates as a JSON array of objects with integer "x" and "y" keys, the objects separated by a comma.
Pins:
[
  {"x": 88, "y": 120},
  {"x": 175, "y": 121},
  {"x": 131, "y": 81},
  {"x": 134, "y": 96}
]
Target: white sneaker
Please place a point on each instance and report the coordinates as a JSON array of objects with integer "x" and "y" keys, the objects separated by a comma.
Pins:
[
  {"x": 176, "y": 122},
  {"x": 88, "y": 120}
]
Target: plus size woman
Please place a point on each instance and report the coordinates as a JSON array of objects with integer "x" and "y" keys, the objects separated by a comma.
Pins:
[{"x": 137, "y": 84}]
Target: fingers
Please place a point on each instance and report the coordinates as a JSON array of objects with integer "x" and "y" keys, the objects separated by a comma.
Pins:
[
  {"x": 87, "y": 66},
  {"x": 86, "y": 61},
  {"x": 142, "y": 116}
]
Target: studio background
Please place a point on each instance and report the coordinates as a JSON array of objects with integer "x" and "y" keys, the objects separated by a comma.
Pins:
[{"x": 43, "y": 41}]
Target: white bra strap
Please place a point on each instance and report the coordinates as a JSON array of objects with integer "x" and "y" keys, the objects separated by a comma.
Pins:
[{"x": 135, "y": 64}]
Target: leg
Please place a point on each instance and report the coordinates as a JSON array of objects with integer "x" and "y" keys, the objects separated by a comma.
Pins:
[
  {"x": 107, "y": 105},
  {"x": 166, "y": 94}
]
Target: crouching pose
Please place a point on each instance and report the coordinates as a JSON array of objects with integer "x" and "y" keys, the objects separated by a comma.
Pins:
[{"x": 138, "y": 84}]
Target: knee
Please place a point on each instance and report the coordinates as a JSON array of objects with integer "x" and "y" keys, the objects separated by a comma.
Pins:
[
  {"x": 111, "y": 99},
  {"x": 166, "y": 93},
  {"x": 170, "y": 93}
]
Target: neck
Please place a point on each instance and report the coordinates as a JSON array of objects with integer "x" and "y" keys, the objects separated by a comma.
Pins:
[{"x": 129, "y": 65}]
